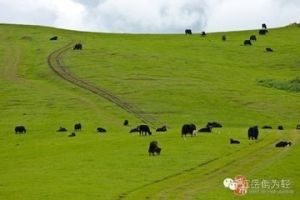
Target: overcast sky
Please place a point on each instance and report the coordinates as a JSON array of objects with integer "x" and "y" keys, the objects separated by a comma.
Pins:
[{"x": 151, "y": 16}]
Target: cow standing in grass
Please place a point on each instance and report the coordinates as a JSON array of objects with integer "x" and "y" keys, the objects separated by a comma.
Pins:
[
  {"x": 264, "y": 26},
  {"x": 188, "y": 129},
  {"x": 20, "y": 129},
  {"x": 253, "y": 37},
  {"x": 144, "y": 130},
  {"x": 77, "y": 46},
  {"x": 247, "y": 43},
  {"x": 263, "y": 32},
  {"x": 154, "y": 149},
  {"x": 253, "y": 133},
  {"x": 77, "y": 127},
  {"x": 188, "y": 32}
]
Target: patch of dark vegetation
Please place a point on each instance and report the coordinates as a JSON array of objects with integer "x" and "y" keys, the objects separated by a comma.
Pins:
[
  {"x": 288, "y": 85},
  {"x": 294, "y": 25}
]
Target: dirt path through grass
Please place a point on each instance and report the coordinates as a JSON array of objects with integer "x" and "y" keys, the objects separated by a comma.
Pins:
[{"x": 56, "y": 64}]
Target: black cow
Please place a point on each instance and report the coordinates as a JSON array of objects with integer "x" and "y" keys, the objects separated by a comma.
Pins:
[
  {"x": 298, "y": 127},
  {"x": 253, "y": 133},
  {"x": 73, "y": 134},
  {"x": 101, "y": 130},
  {"x": 203, "y": 33},
  {"x": 144, "y": 130},
  {"x": 62, "y": 129},
  {"x": 77, "y": 127},
  {"x": 54, "y": 38},
  {"x": 188, "y": 129},
  {"x": 214, "y": 125},
  {"x": 205, "y": 130},
  {"x": 267, "y": 127},
  {"x": 161, "y": 129},
  {"x": 283, "y": 144},
  {"x": 224, "y": 37},
  {"x": 253, "y": 37},
  {"x": 154, "y": 149},
  {"x": 77, "y": 46},
  {"x": 232, "y": 141},
  {"x": 188, "y": 31},
  {"x": 20, "y": 129},
  {"x": 280, "y": 127},
  {"x": 247, "y": 42},
  {"x": 125, "y": 123},
  {"x": 263, "y": 32},
  {"x": 268, "y": 49},
  {"x": 264, "y": 26}
]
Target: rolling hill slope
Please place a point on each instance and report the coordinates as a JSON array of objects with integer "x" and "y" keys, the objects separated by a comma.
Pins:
[{"x": 153, "y": 79}]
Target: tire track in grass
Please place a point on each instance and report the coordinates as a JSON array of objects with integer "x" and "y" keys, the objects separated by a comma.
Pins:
[
  {"x": 188, "y": 188},
  {"x": 55, "y": 63}
]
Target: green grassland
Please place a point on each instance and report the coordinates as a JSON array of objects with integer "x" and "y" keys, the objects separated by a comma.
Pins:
[{"x": 170, "y": 79}]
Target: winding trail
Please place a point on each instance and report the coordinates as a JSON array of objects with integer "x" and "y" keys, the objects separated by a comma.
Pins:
[{"x": 55, "y": 63}]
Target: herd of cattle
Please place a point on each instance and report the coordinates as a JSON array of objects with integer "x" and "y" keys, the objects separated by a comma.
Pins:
[
  {"x": 247, "y": 42},
  {"x": 187, "y": 129}
]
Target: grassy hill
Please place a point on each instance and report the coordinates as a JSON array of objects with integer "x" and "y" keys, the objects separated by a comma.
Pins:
[{"x": 157, "y": 79}]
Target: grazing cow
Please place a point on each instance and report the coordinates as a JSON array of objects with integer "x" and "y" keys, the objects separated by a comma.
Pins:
[
  {"x": 77, "y": 127},
  {"x": 154, "y": 149},
  {"x": 20, "y": 129},
  {"x": 54, "y": 38},
  {"x": 298, "y": 126},
  {"x": 214, "y": 125},
  {"x": 205, "y": 130},
  {"x": 77, "y": 46},
  {"x": 62, "y": 129},
  {"x": 203, "y": 33},
  {"x": 247, "y": 42},
  {"x": 125, "y": 123},
  {"x": 188, "y": 129},
  {"x": 144, "y": 130},
  {"x": 72, "y": 134},
  {"x": 253, "y": 133},
  {"x": 280, "y": 127},
  {"x": 263, "y": 32},
  {"x": 283, "y": 144},
  {"x": 224, "y": 37},
  {"x": 188, "y": 31},
  {"x": 253, "y": 37},
  {"x": 264, "y": 26},
  {"x": 268, "y": 49},
  {"x": 135, "y": 130},
  {"x": 101, "y": 130},
  {"x": 161, "y": 129},
  {"x": 267, "y": 127},
  {"x": 232, "y": 141}
]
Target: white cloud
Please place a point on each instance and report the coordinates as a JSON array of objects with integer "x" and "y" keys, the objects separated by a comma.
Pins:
[
  {"x": 151, "y": 16},
  {"x": 239, "y": 14}
]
